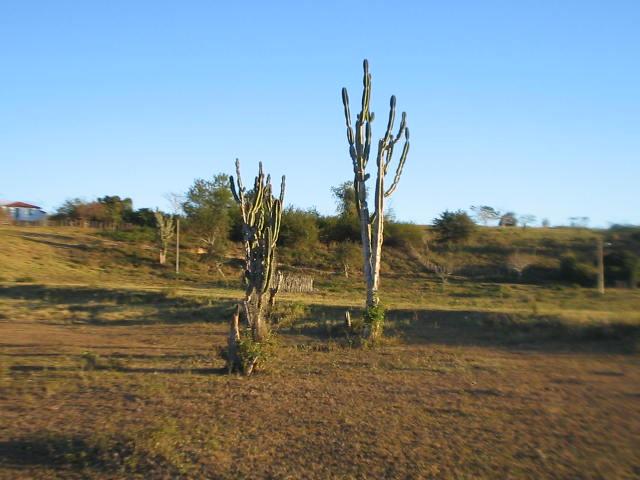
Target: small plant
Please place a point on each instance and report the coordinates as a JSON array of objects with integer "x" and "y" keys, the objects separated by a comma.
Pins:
[
  {"x": 252, "y": 354},
  {"x": 374, "y": 321},
  {"x": 25, "y": 279},
  {"x": 284, "y": 315},
  {"x": 90, "y": 361}
]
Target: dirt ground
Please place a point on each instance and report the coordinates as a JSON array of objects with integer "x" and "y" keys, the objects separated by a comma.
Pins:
[{"x": 122, "y": 384}]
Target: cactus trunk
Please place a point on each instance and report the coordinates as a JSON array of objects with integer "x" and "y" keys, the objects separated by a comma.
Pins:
[
  {"x": 261, "y": 216},
  {"x": 372, "y": 226}
]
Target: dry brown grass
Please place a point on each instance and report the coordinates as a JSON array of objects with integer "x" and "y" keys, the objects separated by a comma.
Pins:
[
  {"x": 109, "y": 369},
  {"x": 104, "y": 383}
]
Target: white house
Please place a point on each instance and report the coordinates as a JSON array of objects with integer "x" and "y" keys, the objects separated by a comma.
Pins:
[{"x": 23, "y": 212}]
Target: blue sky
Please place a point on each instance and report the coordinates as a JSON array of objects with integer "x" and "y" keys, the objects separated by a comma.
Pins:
[{"x": 532, "y": 106}]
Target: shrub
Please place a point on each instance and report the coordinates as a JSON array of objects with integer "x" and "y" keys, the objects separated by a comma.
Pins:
[
  {"x": 622, "y": 266},
  {"x": 576, "y": 272},
  {"x": 454, "y": 227},
  {"x": 284, "y": 315},
  {"x": 339, "y": 229},
  {"x": 374, "y": 320},
  {"x": 254, "y": 353},
  {"x": 398, "y": 234},
  {"x": 299, "y": 228}
]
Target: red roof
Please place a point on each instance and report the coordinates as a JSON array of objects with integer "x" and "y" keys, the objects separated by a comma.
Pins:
[{"x": 21, "y": 205}]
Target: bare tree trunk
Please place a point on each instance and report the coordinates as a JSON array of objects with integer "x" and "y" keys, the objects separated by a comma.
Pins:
[
  {"x": 371, "y": 227},
  {"x": 163, "y": 257}
]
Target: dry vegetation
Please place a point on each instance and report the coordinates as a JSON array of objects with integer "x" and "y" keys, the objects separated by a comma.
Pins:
[{"x": 109, "y": 369}]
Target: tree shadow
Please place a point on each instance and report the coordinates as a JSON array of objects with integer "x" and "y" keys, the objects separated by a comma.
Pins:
[
  {"x": 81, "y": 455},
  {"x": 119, "y": 369},
  {"x": 53, "y": 450},
  {"x": 92, "y": 305},
  {"x": 39, "y": 238}
]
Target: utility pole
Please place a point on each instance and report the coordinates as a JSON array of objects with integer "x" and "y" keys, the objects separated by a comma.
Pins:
[
  {"x": 600, "y": 253},
  {"x": 175, "y": 200},
  {"x": 177, "y": 245}
]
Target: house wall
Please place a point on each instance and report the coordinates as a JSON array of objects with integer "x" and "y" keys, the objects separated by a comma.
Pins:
[{"x": 21, "y": 214}]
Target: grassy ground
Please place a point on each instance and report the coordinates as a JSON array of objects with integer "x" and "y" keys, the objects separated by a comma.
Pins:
[{"x": 110, "y": 370}]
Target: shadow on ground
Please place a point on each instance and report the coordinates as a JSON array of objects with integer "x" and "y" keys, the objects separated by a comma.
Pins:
[
  {"x": 75, "y": 454},
  {"x": 96, "y": 306},
  {"x": 479, "y": 328}
]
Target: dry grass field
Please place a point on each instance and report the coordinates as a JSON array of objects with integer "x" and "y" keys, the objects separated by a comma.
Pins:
[{"x": 109, "y": 368}]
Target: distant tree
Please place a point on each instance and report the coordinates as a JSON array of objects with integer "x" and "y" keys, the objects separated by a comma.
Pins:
[
  {"x": 579, "y": 222},
  {"x": 299, "y": 228},
  {"x": 518, "y": 262},
  {"x": 443, "y": 266},
  {"x": 116, "y": 208},
  {"x": 484, "y": 213},
  {"x": 622, "y": 266},
  {"x": 545, "y": 223},
  {"x": 346, "y": 226},
  {"x": 526, "y": 219},
  {"x": 69, "y": 209},
  {"x": 345, "y": 198},
  {"x": 166, "y": 232},
  {"x": 209, "y": 207},
  {"x": 142, "y": 217},
  {"x": 508, "y": 220},
  {"x": 348, "y": 256},
  {"x": 454, "y": 227}
]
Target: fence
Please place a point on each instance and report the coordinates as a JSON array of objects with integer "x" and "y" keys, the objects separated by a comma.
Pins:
[
  {"x": 295, "y": 283},
  {"x": 47, "y": 222}
]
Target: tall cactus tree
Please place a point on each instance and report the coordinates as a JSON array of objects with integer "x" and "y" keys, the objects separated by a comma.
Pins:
[
  {"x": 372, "y": 224},
  {"x": 261, "y": 216},
  {"x": 165, "y": 234}
]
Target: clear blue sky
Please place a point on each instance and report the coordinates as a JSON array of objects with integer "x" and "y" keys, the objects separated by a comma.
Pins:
[{"x": 532, "y": 106}]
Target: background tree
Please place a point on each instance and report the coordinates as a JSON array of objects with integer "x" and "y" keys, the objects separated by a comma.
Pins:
[
  {"x": 372, "y": 224},
  {"x": 116, "y": 208},
  {"x": 299, "y": 228},
  {"x": 166, "y": 232},
  {"x": 142, "y": 217},
  {"x": 209, "y": 209},
  {"x": 347, "y": 255},
  {"x": 346, "y": 225},
  {"x": 579, "y": 222},
  {"x": 484, "y": 213},
  {"x": 443, "y": 266},
  {"x": 526, "y": 219},
  {"x": 508, "y": 220},
  {"x": 453, "y": 227}
]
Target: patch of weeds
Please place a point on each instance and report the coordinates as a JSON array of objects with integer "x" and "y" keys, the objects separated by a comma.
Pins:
[
  {"x": 374, "y": 322},
  {"x": 285, "y": 315},
  {"x": 256, "y": 353},
  {"x": 92, "y": 361},
  {"x": 25, "y": 279}
]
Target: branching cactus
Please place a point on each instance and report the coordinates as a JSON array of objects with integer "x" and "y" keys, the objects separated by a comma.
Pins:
[
  {"x": 372, "y": 223},
  {"x": 261, "y": 216},
  {"x": 166, "y": 232}
]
